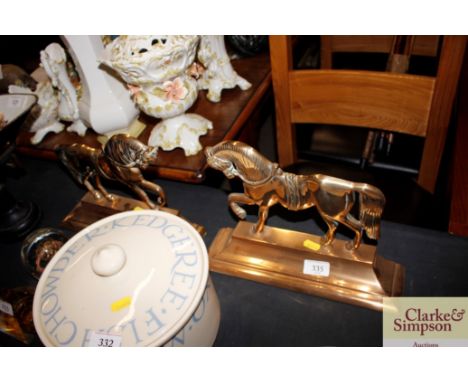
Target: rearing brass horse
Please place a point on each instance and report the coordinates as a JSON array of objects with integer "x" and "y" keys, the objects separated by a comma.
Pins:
[
  {"x": 265, "y": 184},
  {"x": 122, "y": 159}
]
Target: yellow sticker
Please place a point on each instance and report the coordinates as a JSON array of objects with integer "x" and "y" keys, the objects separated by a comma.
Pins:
[
  {"x": 138, "y": 208},
  {"x": 120, "y": 304},
  {"x": 311, "y": 245}
]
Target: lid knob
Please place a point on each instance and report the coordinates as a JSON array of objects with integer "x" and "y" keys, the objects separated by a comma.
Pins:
[{"x": 108, "y": 260}]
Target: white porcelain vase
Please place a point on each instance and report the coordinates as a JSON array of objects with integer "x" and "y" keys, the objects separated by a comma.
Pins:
[{"x": 104, "y": 104}]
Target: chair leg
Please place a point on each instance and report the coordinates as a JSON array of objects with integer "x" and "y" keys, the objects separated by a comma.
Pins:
[
  {"x": 281, "y": 64},
  {"x": 450, "y": 63}
]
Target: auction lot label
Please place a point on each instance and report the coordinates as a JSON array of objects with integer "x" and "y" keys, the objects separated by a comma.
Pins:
[{"x": 425, "y": 321}]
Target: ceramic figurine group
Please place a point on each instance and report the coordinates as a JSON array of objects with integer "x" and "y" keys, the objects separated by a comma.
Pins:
[
  {"x": 57, "y": 97},
  {"x": 162, "y": 74},
  {"x": 164, "y": 79}
]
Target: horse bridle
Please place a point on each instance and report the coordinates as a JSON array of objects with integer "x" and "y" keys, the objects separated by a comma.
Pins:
[{"x": 276, "y": 170}]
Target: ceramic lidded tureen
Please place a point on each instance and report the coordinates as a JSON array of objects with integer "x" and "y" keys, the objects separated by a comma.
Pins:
[
  {"x": 139, "y": 277},
  {"x": 155, "y": 69}
]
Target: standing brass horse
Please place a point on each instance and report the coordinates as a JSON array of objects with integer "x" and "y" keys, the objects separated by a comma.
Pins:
[
  {"x": 122, "y": 159},
  {"x": 265, "y": 184}
]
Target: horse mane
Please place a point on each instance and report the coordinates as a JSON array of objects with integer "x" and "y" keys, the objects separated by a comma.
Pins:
[
  {"x": 124, "y": 151},
  {"x": 251, "y": 165}
]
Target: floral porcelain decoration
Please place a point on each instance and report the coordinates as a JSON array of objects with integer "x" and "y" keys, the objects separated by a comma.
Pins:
[
  {"x": 57, "y": 97},
  {"x": 219, "y": 73},
  {"x": 175, "y": 90},
  {"x": 155, "y": 69},
  {"x": 46, "y": 110},
  {"x": 91, "y": 99},
  {"x": 185, "y": 135}
]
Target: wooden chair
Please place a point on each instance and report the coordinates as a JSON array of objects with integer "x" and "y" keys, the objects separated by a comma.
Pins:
[
  {"x": 403, "y": 103},
  {"x": 423, "y": 46}
]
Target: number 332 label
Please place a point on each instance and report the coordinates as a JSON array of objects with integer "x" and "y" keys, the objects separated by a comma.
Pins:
[{"x": 104, "y": 340}]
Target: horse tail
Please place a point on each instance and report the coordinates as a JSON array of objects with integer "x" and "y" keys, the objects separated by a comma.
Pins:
[
  {"x": 62, "y": 153},
  {"x": 371, "y": 204},
  {"x": 67, "y": 155}
]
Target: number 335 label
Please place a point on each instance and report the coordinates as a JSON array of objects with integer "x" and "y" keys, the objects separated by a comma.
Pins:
[
  {"x": 316, "y": 268},
  {"x": 104, "y": 340}
]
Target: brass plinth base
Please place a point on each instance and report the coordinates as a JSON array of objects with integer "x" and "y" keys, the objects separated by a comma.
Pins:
[
  {"x": 88, "y": 211},
  {"x": 277, "y": 257}
]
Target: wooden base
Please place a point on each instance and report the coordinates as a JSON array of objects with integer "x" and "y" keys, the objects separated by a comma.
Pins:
[
  {"x": 88, "y": 211},
  {"x": 278, "y": 257}
]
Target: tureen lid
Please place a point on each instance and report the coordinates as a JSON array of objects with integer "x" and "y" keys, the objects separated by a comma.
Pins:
[{"x": 136, "y": 275}]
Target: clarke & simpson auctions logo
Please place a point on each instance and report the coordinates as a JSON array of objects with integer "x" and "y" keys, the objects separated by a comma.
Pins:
[
  {"x": 418, "y": 321},
  {"x": 425, "y": 321}
]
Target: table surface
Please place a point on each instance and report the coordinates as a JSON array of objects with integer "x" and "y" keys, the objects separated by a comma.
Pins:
[
  {"x": 254, "y": 314},
  {"x": 228, "y": 117}
]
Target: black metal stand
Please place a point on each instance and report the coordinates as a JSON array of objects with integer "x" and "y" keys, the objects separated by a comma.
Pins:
[{"x": 17, "y": 218}]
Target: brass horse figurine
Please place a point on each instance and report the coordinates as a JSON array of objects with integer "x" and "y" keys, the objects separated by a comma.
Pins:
[
  {"x": 265, "y": 184},
  {"x": 121, "y": 159}
]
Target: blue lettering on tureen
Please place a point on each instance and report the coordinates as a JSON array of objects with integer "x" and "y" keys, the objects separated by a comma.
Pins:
[{"x": 184, "y": 276}]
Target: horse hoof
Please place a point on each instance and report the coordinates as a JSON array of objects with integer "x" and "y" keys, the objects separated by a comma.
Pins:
[
  {"x": 350, "y": 246},
  {"x": 324, "y": 241},
  {"x": 259, "y": 229},
  {"x": 240, "y": 213}
]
